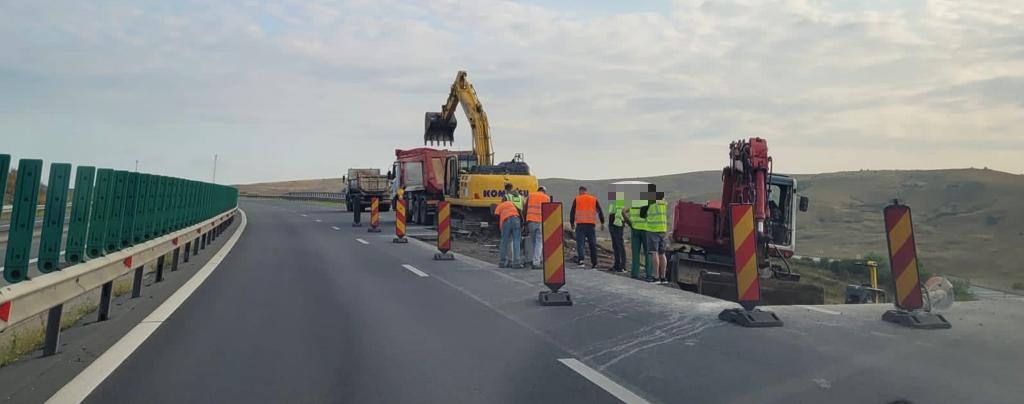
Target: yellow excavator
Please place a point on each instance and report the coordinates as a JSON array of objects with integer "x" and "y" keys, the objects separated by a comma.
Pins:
[{"x": 473, "y": 182}]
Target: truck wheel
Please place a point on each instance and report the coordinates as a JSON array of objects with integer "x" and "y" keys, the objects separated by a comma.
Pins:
[
  {"x": 416, "y": 212},
  {"x": 425, "y": 219},
  {"x": 421, "y": 213},
  {"x": 385, "y": 208}
]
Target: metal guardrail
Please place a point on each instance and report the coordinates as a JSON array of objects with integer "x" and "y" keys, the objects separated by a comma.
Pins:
[
  {"x": 25, "y": 300},
  {"x": 315, "y": 196},
  {"x": 303, "y": 196},
  {"x": 119, "y": 221}
]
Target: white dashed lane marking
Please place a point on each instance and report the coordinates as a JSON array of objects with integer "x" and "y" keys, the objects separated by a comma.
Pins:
[{"x": 415, "y": 271}]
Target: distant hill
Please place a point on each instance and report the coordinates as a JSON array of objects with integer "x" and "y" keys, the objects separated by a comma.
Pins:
[
  {"x": 281, "y": 187},
  {"x": 969, "y": 222}
]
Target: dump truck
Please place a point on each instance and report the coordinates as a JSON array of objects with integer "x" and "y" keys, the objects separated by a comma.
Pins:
[
  {"x": 419, "y": 174},
  {"x": 703, "y": 261},
  {"x": 364, "y": 184}
]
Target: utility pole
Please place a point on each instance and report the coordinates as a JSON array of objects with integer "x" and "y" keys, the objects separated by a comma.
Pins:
[
  {"x": 136, "y": 165},
  {"x": 214, "y": 168}
]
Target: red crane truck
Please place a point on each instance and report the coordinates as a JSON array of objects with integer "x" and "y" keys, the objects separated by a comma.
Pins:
[{"x": 704, "y": 261}]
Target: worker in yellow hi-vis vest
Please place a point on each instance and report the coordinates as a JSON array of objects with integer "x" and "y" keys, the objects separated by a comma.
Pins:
[{"x": 656, "y": 216}]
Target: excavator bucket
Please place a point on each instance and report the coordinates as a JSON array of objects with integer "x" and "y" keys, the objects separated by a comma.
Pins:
[{"x": 437, "y": 130}]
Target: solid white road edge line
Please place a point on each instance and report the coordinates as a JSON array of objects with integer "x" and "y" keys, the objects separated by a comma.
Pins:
[
  {"x": 82, "y": 385},
  {"x": 414, "y": 270},
  {"x": 362, "y": 241},
  {"x": 603, "y": 382},
  {"x": 821, "y": 310}
]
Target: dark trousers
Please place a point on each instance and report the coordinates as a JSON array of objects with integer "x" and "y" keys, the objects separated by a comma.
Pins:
[
  {"x": 618, "y": 247},
  {"x": 585, "y": 233}
]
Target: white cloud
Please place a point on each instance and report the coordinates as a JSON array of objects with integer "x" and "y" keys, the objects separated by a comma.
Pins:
[{"x": 614, "y": 94}]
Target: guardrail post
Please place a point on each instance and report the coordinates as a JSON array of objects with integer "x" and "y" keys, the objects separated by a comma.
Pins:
[
  {"x": 137, "y": 282},
  {"x": 202, "y": 242},
  {"x": 79, "y": 224},
  {"x": 105, "y": 294},
  {"x": 195, "y": 246},
  {"x": 23, "y": 220},
  {"x": 94, "y": 246},
  {"x": 141, "y": 203},
  {"x": 160, "y": 269},
  {"x": 52, "y": 338},
  {"x": 131, "y": 200},
  {"x": 174, "y": 259},
  {"x": 53, "y": 217},
  {"x": 5, "y": 169},
  {"x": 188, "y": 251},
  {"x": 115, "y": 216}
]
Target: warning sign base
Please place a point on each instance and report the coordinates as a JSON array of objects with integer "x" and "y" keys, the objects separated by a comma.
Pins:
[
  {"x": 373, "y": 230},
  {"x": 755, "y": 318},
  {"x": 400, "y": 240},
  {"x": 560, "y": 298},
  {"x": 448, "y": 256},
  {"x": 917, "y": 319}
]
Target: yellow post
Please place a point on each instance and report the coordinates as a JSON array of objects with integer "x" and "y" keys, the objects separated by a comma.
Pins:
[{"x": 872, "y": 267}]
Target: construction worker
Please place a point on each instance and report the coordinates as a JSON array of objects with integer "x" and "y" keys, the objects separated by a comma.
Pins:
[
  {"x": 508, "y": 222},
  {"x": 638, "y": 239},
  {"x": 534, "y": 236},
  {"x": 513, "y": 196},
  {"x": 517, "y": 200},
  {"x": 583, "y": 216},
  {"x": 656, "y": 217},
  {"x": 616, "y": 224}
]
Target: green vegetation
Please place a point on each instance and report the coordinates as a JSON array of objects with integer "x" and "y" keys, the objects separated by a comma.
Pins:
[
  {"x": 28, "y": 341},
  {"x": 24, "y": 342},
  {"x": 76, "y": 313},
  {"x": 835, "y": 274},
  {"x": 20, "y": 344},
  {"x": 962, "y": 290},
  {"x": 122, "y": 287}
]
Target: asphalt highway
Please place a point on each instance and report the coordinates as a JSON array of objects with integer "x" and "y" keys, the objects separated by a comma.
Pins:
[{"x": 306, "y": 308}]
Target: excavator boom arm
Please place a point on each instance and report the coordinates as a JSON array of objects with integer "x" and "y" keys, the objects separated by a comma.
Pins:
[{"x": 440, "y": 126}]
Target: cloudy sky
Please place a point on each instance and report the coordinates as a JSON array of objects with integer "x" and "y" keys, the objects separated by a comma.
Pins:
[{"x": 585, "y": 89}]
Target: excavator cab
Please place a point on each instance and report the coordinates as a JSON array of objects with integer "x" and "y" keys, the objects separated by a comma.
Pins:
[
  {"x": 783, "y": 202},
  {"x": 437, "y": 130}
]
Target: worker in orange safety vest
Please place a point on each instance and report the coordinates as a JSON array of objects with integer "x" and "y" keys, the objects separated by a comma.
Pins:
[
  {"x": 583, "y": 216},
  {"x": 534, "y": 236},
  {"x": 509, "y": 223}
]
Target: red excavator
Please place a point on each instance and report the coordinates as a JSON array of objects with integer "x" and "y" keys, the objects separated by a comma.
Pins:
[{"x": 704, "y": 261}]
